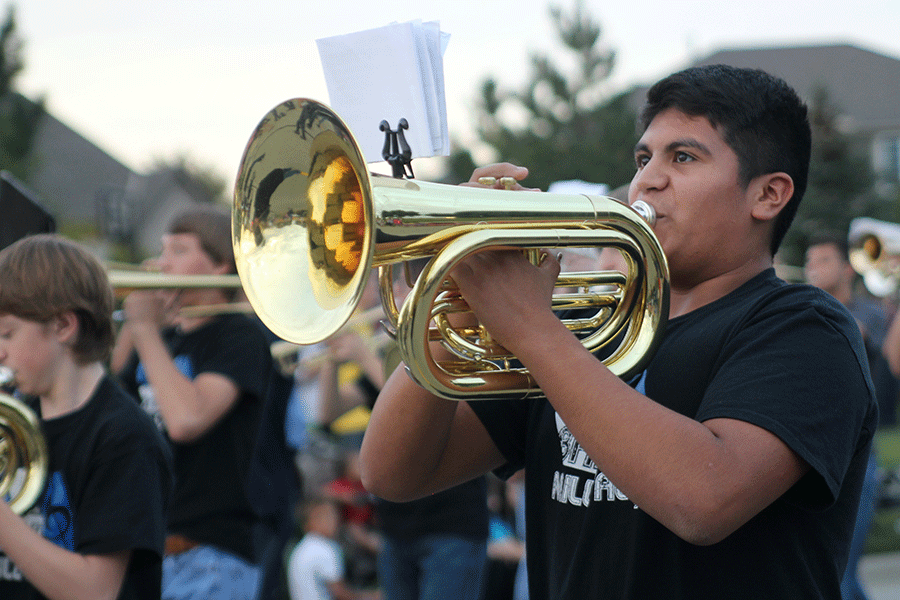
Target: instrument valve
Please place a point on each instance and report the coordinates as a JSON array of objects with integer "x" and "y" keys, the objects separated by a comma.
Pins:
[{"x": 506, "y": 182}]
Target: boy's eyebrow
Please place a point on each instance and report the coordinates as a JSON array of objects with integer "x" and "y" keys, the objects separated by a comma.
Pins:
[{"x": 675, "y": 145}]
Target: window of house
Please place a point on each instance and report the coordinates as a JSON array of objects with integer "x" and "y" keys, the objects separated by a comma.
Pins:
[{"x": 887, "y": 157}]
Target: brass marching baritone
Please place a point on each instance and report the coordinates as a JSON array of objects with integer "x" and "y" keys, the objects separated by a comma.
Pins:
[
  {"x": 309, "y": 222},
  {"x": 24, "y": 458},
  {"x": 874, "y": 253}
]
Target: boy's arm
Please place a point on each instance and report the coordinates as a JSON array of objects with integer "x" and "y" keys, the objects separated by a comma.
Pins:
[
  {"x": 122, "y": 349},
  {"x": 700, "y": 480},
  {"x": 891, "y": 346},
  {"x": 188, "y": 407},
  {"x": 335, "y": 398},
  {"x": 56, "y": 572},
  {"x": 417, "y": 444}
]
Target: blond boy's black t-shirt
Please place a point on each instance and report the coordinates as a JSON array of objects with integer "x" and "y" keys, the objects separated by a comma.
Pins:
[
  {"x": 109, "y": 483},
  {"x": 788, "y": 358}
]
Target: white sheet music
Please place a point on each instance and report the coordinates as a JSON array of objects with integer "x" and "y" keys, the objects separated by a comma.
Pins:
[{"x": 389, "y": 73}]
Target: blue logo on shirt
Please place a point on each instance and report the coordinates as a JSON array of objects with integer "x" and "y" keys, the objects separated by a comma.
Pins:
[
  {"x": 59, "y": 521},
  {"x": 182, "y": 363}
]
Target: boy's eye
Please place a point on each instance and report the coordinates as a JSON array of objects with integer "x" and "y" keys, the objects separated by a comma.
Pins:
[
  {"x": 682, "y": 157},
  {"x": 641, "y": 160}
]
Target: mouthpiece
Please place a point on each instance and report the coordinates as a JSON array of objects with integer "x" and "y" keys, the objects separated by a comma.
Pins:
[
  {"x": 645, "y": 210},
  {"x": 7, "y": 376}
]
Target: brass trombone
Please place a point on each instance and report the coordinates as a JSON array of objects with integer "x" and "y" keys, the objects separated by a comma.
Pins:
[
  {"x": 126, "y": 280},
  {"x": 309, "y": 222}
]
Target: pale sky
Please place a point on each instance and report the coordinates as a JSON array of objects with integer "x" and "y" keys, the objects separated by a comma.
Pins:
[{"x": 153, "y": 79}]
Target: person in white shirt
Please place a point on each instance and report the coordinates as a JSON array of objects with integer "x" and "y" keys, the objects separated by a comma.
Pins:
[{"x": 316, "y": 565}]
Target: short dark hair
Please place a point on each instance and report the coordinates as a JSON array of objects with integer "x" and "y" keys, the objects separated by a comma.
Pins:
[
  {"x": 211, "y": 223},
  {"x": 759, "y": 115},
  {"x": 831, "y": 239},
  {"x": 46, "y": 275}
]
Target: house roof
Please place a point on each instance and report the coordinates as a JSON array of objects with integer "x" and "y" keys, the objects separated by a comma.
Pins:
[
  {"x": 864, "y": 85},
  {"x": 72, "y": 172},
  {"x": 81, "y": 183}
]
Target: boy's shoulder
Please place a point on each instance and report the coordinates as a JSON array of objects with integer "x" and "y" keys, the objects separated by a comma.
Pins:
[
  {"x": 117, "y": 417},
  {"x": 766, "y": 293}
]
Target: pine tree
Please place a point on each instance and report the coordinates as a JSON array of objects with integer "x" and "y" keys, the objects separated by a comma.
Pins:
[
  {"x": 840, "y": 186},
  {"x": 19, "y": 117},
  {"x": 570, "y": 128}
]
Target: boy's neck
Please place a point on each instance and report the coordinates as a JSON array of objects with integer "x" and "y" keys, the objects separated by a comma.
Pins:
[
  {"x": 75, "y": 385},
  {"x": 689, "y": 298}
]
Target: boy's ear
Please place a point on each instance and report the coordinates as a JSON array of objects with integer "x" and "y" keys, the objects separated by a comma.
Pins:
[
  {"x": 770, "y": 193},
  {"x": 66, "y": 327}
]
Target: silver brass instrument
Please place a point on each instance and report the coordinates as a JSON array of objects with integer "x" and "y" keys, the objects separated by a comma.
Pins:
[
  {"x": 23, "y": 453},
  {"x": 309, "y": 222},
  {"x": 874, "y": 249}
]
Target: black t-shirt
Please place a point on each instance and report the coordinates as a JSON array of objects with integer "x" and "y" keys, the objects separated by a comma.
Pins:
[
  {"x": 787, "y": 358},
  {"x": 108, "y": 486},
  {"x": 460, "y": 511},
  {"x": 210, "y": 504}
]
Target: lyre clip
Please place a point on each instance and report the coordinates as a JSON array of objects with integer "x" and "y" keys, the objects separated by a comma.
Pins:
[{"x": 396, "y": 152}]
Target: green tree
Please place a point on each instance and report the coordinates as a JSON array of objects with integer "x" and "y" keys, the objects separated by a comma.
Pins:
[
  {"x": 560, "y": 126},
  {"x": 840, "y": 184},
  {"x": 19, "y": 117}
]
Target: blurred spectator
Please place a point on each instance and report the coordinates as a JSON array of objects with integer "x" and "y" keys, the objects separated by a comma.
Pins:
[
  {"x": 505, "y": 549},
  {"x": 828, "y": 268},
  {"x": 358, "y": 535},
  {"x": 435, "y": 547},
  {"x": 316, "y": 567}
]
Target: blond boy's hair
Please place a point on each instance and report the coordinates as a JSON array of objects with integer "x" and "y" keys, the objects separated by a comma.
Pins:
[{"x": 46, "y": 275}]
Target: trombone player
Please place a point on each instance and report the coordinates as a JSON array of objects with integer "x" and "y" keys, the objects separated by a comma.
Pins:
[
  {"x": 204, "y": 379},
  {"x": 732, "y": 466}
]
